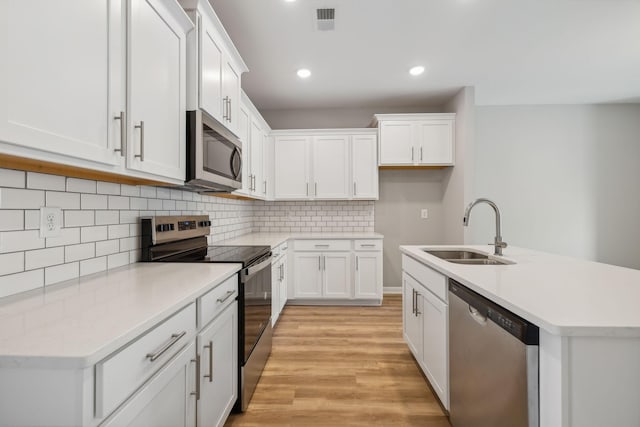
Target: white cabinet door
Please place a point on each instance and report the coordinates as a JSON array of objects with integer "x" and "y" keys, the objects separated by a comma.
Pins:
[
  {"x": 257, "y": 183},
  {"x": 61, "y": 77},
  {"x": 397, "y": 143},
  {"x": 231, "y": 95},
  {"x": 166, "y": 400},
  {"x": 435, "y": 344},
  {"x": 283, "y": 282},
  {"x": 364, "y": 166},
  {"x": 331, "y": 167},
  {"x": 435, "y": 142},
  {"x": 291, "y": 168},
  {"x": 267, "y": 165},
  {"x": 412, "y": 320},
  {"x": 210, "y": 70},
  {"x": 308, "y": 275},
  {"x": 244, "y": 132},
  {"x": 275, "y": 292},
  {"x": 218, "y": 350},
  {"x": 157, "y": 58},
  {"x": 336, "y": 268},
  {"x": 368, "y": 275}
]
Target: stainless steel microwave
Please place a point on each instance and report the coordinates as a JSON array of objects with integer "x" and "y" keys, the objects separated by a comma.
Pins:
[{"x": 214, "y": 155}]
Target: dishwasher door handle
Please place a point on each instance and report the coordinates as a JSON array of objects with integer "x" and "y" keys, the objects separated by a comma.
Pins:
[{"x": 475, "y": 315}]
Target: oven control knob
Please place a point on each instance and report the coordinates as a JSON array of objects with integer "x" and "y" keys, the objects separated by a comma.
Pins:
[
  {"x": 164, "y": 227},
  {"x": 171, "y": 227},
  {"x": 204, "y": 223}
]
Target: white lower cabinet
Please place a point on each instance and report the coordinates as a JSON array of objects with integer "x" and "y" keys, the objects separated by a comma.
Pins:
[
  {"x": 336, "y": 270},
  {"x": 168, "y": 399},
  {"x": 426, "y": 329},
  {"x": 218, "y": 381},
  {"x": 278, "y": 281}
]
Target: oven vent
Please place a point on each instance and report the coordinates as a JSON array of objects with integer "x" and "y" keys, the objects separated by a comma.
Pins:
[{"x": 325, "y": 19}]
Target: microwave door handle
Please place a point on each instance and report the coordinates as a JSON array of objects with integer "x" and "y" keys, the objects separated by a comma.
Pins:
[{"x": 236, "y": 163}]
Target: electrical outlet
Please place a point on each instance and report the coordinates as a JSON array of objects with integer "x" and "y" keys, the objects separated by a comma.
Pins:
[
  {"x": 424, "y": 213},
  {"x": 50, "y": 222}
]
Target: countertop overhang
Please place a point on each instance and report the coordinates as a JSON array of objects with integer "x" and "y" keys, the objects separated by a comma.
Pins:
[{"x": 562, "y": 295}]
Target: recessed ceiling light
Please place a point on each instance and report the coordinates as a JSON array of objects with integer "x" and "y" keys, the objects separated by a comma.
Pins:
[
  {"x": 303, "y": 73},
  {"x": 289, "y": 1},
  {"x": 417, "y": 70}
]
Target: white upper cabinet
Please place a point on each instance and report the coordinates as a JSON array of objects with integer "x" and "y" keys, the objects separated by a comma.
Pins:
[
  {"x": 291, "y": 168},
  {"x": 62, "y": 77},
  {"x": 339, "y": 164},
  {"x": 364, "y": 167},
  {"x": 416, "y": 139},
  {"x": 157, "y": 49},
  {"x": 258, "y": 184},
  {"x": 331, "y": 167},
  {"x": 214, "y": 67},
  {"x": 112, "y": 99}
]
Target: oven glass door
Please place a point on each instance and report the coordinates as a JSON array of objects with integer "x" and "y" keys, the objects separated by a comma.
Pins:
[
  {"x": 220, "y": 156},
  {"x": 257, "y": 305}
]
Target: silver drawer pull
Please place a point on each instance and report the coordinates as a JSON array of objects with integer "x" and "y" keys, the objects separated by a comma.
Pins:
[
  {"x": 368, "y": 245},
  {"x": 141, "y": 127},
  {"x": 197, "y": 392},
  {"x": 226, "y": 296},
  {"x": 322, "y": 246},
  {"x": 174, "y": 339},
  {"x": 210, "y": 347},
  {"x": 123, "y": 133}
]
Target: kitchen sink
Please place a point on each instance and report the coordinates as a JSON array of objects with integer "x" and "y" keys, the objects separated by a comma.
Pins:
[{"x": 466, "y": 257}]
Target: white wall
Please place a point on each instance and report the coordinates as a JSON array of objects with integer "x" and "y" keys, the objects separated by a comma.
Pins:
[
  {"x": 566, "y": 178},
  {"x": 457, "y": 184}
]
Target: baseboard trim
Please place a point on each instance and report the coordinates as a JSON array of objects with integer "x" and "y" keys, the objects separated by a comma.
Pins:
[{"x": 392, "y": 290}]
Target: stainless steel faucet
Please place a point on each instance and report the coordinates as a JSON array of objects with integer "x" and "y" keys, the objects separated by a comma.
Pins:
[{"x": 497, "y": 243}]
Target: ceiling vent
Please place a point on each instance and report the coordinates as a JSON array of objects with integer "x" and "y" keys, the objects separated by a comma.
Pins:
[{"x": 325, "y": 19}]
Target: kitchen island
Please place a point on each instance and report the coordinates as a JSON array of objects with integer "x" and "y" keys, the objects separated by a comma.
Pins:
[{"x": 589, "y": 324}]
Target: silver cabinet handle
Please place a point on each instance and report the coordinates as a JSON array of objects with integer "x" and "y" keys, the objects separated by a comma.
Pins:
[
  {"x": 418, "y": 312},
  {"x": 210, "y": 347},
  {"x": 174, "y": 339},
  {"x": 307, "y": 189},
  {"x": 324, "y": 263},
  {"x": 141, "y": 127},
  {"x": 315, "y": 191},
  {"x": 226, "y": 296},
  {"x": 321, "y": 246},
  {"x": 224, "y": 107},
  {"x": 357, "y": 262},
  {"x": 319, "y": 262},
  {"x": 413, "y": 301},
  {"x": 254, "y": 182},
  {"x": 265, "y": 187},
  {"x": 197, "y": 392},
  {"x": 354, "y": 188},
  {"x": 412, "y": 159},
  {"x": 229, "y": 110},
  {"x": 367, "y": 245},
  {"x": 420, "y": 153},
  {"x": 281, "y": 272},
  {"x": 123, "y": 133}
]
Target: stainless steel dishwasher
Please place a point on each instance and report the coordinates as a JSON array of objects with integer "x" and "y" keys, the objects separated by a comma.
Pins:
[{"x": 493, "y": 363}]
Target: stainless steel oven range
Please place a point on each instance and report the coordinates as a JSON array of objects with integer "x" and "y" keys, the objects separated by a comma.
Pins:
[{"x": 184, "y": 239}]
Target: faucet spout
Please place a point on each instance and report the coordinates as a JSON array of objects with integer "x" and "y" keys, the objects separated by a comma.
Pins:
[{"x": 498, "y": 243}]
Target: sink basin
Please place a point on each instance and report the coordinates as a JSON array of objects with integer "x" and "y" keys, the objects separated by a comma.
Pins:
[{"x": 466, "y": 257}]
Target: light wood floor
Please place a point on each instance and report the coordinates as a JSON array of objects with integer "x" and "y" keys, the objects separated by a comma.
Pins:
[{"x": 341, "y": 366}]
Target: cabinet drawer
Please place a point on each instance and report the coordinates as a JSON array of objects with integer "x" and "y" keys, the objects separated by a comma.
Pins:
[
  {"x": 431, "y": 279},
  {"x": 118, "y": 376},
  {"x": 323, "y": 245},
  {"x": 368, "y": 245},
  {"x": 213, "y": 302}
]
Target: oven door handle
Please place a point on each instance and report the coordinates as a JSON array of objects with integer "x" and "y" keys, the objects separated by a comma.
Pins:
[{"x": 256, "y": 268}]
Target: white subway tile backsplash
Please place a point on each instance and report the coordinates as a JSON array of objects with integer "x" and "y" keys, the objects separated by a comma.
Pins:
[
  {"x": 14, "y": 198},
  {"x": 129, "y": 217},
  {"x": 129, "y": 190},
  {"x": 41, "y": 181},
  {"x": 107, "y": 217},
  {"x": 77, "y": 185},
  {"x": 79, "y": 252},
  {"x": 11, "y": 263},
  {"x": 146, "y": 191},
  {"x": 108, "y": 188},
  {"x": 63, "y": 200},
  {"x": 117, "y": 260},
  {"x": 154, "y": 204},
  {"x": 15, "y": 241},
  {"x": 93, "y": 201},
  {"x": 118, "y": 231},
  {"x": 21, "y": 282},
  {"x": 68, "y": 236},
  {"x": 60, "y": 273},
  {"x": 107, "y": 247},
  {"x": 78, "y": 218},
  {"x": 31, "y": 220},
  {"x": 169, "y": 205},
  {"x": 138, "y": 203},
  {"x": 43, "y": 258},
  {"x": 163, "y": 193},
  {"x": 129, "y": 243},
  {"x": 94, "y": 265},
  {"x": 176, "y": 194},
  {"x": 92, "y": 234},
  {"x": 11, "y": 220},
  {"x": 118, "y": 202},
  {"x": 12, "y": 178}
]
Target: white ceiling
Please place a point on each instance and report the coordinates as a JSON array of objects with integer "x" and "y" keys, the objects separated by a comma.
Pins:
[{"x": 512, "y": 51}]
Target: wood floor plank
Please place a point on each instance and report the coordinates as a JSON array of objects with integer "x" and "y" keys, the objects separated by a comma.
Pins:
[{"x": 341, "y": 366}]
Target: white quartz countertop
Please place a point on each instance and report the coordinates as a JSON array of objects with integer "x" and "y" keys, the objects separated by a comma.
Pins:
[
  {"x": 563, "y": 295},
  {"x": 274, "y": 239},
  {"x": 78, "y": 324}
]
